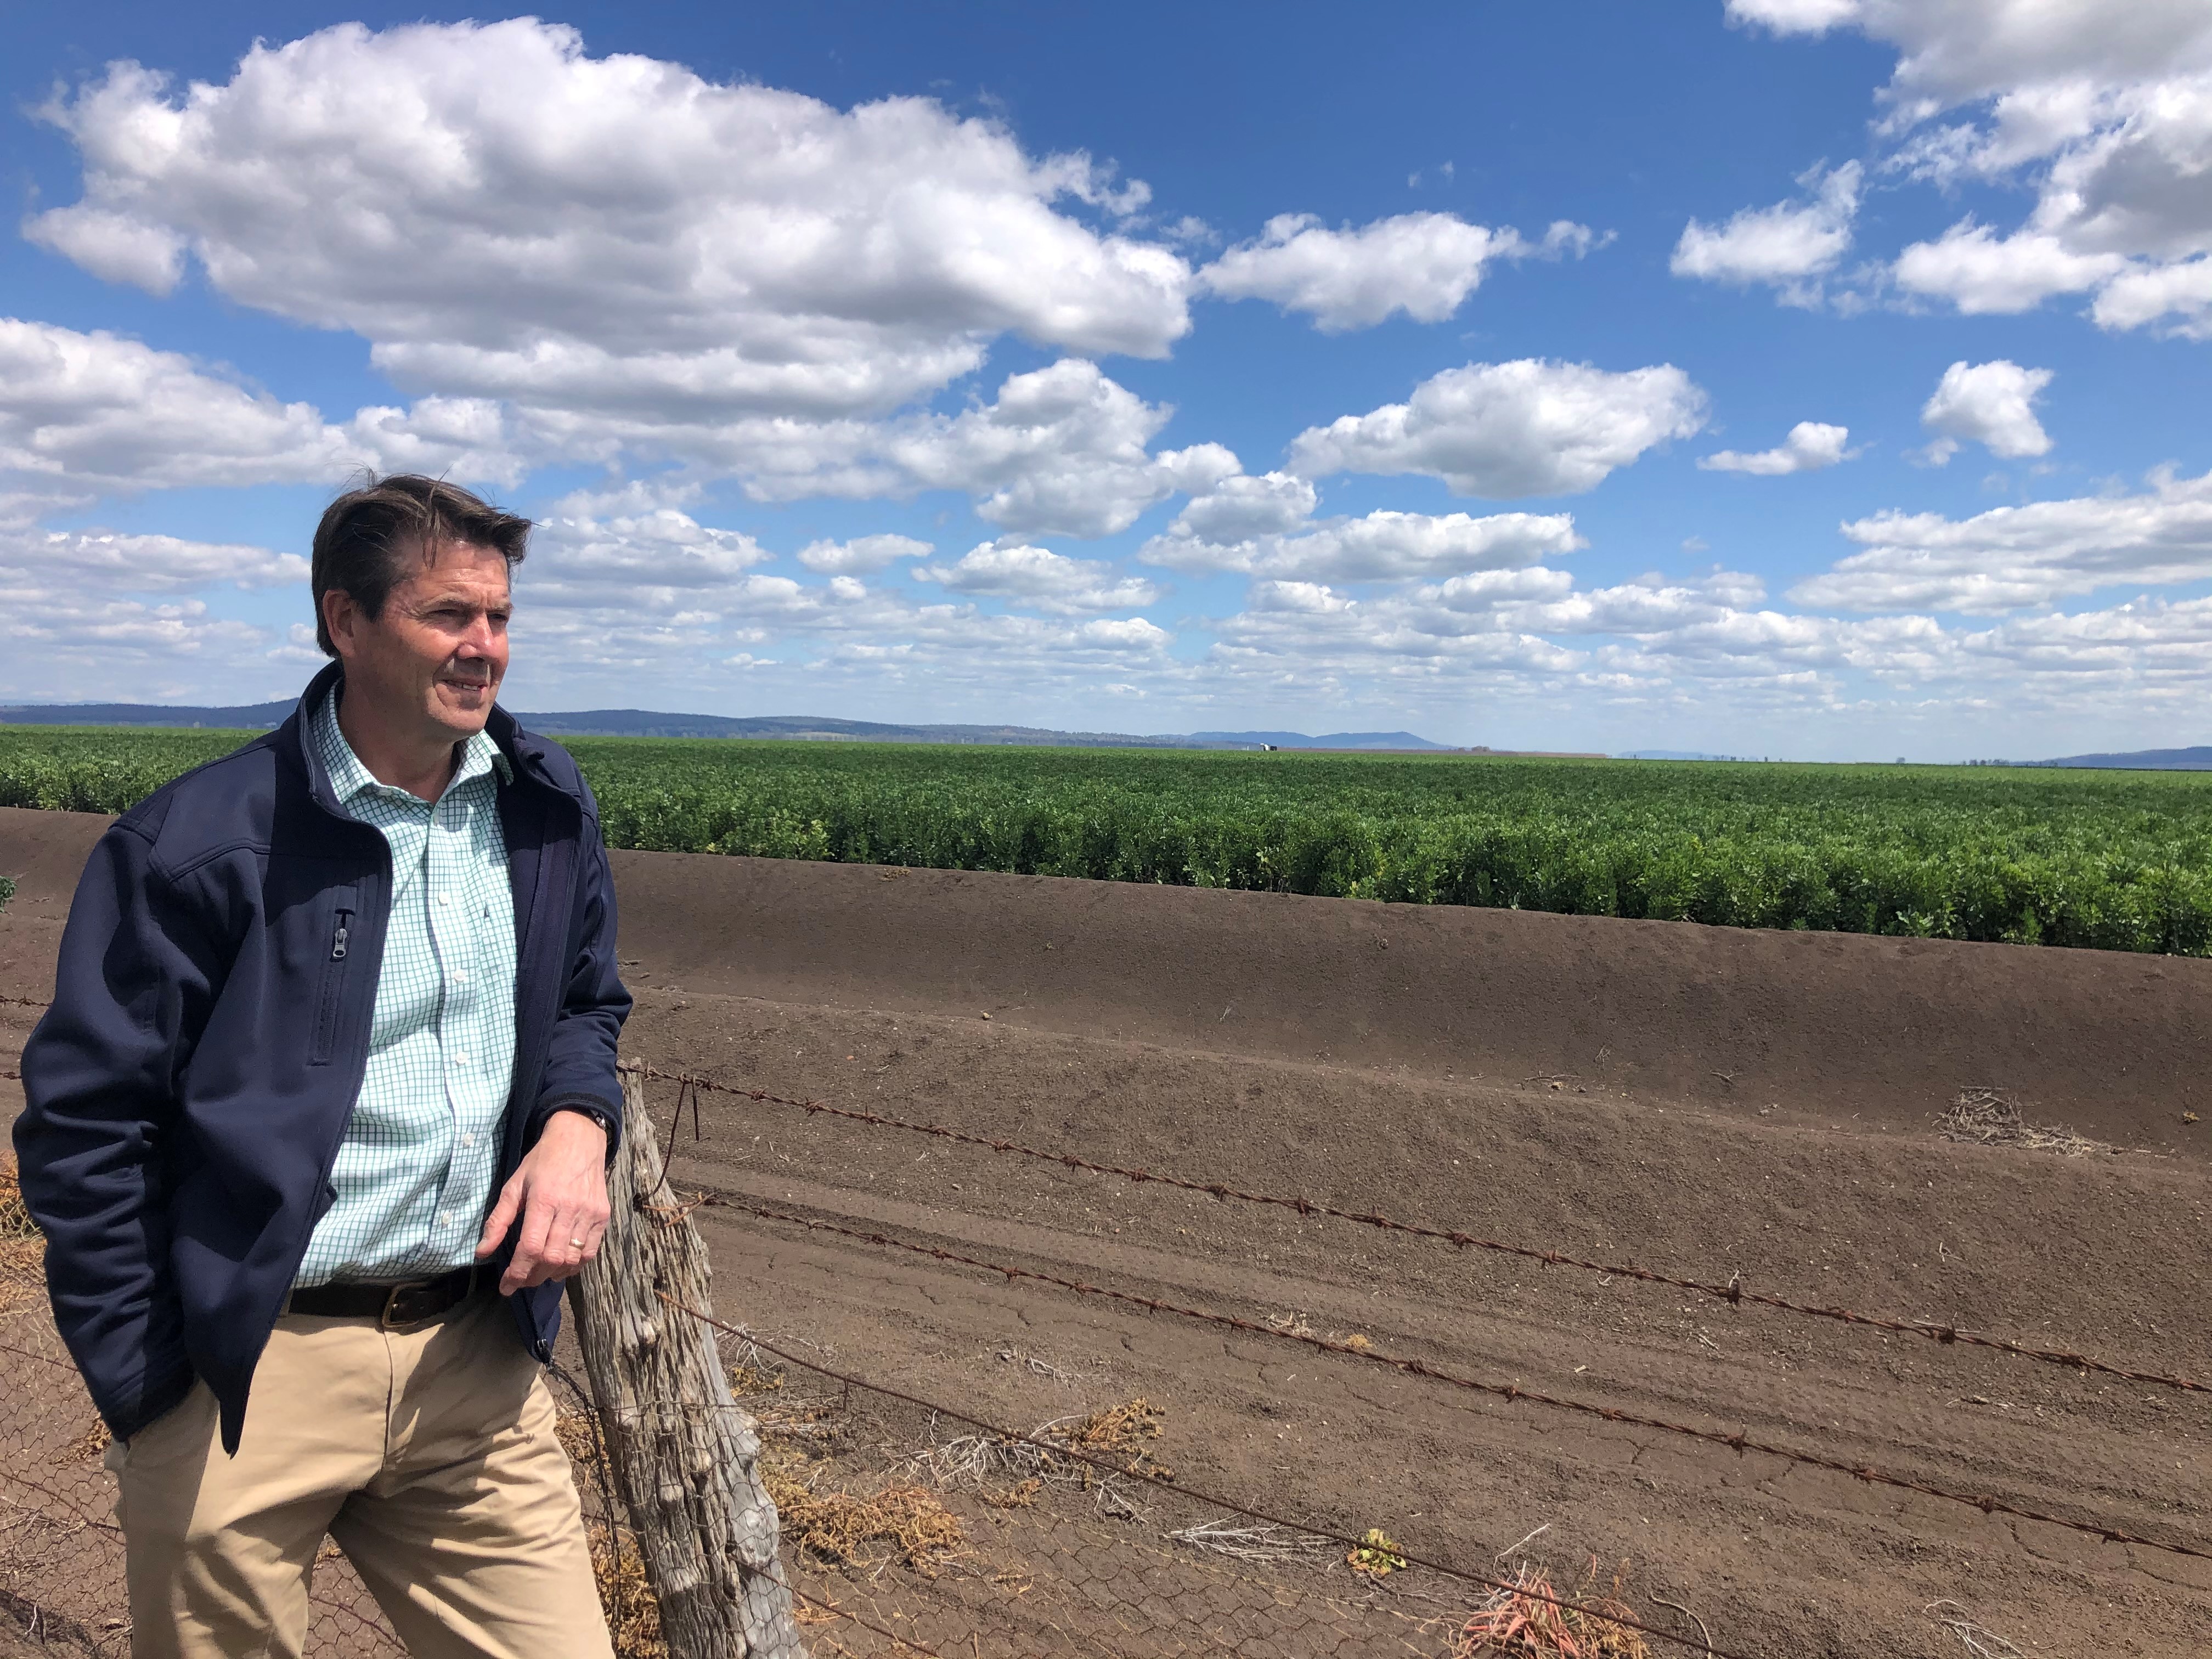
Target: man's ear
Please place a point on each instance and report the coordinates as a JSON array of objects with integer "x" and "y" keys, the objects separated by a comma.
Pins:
[{"x": 340, "y": 613}]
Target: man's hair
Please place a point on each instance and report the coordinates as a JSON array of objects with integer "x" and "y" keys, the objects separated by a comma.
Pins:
[{"x": 368, "y": 536}]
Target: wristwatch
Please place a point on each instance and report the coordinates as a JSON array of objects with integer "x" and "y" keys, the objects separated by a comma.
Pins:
[{"x": 610, "y": 1125}]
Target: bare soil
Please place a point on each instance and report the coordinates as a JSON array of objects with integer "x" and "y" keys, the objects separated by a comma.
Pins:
[{"x": 1705, "y": 1102}]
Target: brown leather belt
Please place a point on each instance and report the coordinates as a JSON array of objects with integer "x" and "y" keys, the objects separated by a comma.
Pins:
[{"x": 393, "y": 1307}]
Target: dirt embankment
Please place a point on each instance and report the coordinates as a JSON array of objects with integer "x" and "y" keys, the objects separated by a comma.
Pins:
[{"x": 1700, "y": 1101}]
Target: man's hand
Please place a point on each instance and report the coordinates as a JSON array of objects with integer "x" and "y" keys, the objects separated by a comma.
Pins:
[{"x": 560, "y": 1191}]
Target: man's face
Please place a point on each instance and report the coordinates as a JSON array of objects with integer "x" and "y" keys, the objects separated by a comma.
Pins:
[{"x": 432, "y": 662}]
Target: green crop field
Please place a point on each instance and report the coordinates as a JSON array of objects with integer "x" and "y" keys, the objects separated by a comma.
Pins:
[{"x": 2115, "y": 860}]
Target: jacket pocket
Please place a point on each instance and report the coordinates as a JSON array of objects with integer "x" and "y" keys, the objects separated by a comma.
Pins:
[{"x": 336, "y": 960}]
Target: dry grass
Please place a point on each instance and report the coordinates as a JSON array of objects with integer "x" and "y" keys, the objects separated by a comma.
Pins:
[
  {"x": 1261, "y": 1543},
  {"x": 88, "y": 1448},
  {"x": 22, "y": 1249},
  {"x": 898, "y": 1523},
  {"x": 625, "y": 1594},
  {"x": 1012, "y": 1473},
  {"x": 1990, "y": 1117},
  {"x": 633, "y": 1612},
  {"x": 1515, "y": 1619},
  {"x": 1977, "y": 1639}
]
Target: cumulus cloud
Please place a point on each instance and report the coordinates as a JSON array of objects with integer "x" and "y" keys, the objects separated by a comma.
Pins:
[
  {"x": 1383, "y": 546},
  {"x": 1810, "y": 445},
  {"x": 862, "y": 555},
  {"x": 145, "y": 564},
  {"x": 1992, "y": 405},
  {"x": 1785, "y": 247},
  {"x": 611, "y": 234},
  {"x": 573, "y": 554},
  {"x": 85, "y": 414},
  {"x": 2014, "y": 556},
  {"x": 1424, "y": 264},
  {"x": 1528, "y": 428},
  {"x": 1980, "y": 272},
  {"x": 1062, "y": 450},
  {"x": 2104, "y": 109},
  {"x": 1037, "y": 576}
]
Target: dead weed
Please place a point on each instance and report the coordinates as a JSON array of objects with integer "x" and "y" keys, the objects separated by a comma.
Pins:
[
  {"x": 1991, "y": 1117},
  {"x": 1517, "y": 1619},
  {"x": 902, "y": 1523}
]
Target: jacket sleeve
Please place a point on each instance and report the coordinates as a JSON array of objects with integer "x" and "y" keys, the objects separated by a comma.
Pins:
[
  {"x": 579, "y": 1063},
  {"x": 138, "y": 971}
]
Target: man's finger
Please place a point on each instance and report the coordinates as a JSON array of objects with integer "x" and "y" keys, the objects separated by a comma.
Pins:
[
  {"x": 501, "y": 1217},
  {"x": 526, "y": 1268}
]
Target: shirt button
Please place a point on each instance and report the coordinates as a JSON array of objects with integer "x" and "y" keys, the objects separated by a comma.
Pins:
[
  {"x": 460, "y": 979},
  {"x": 460, "y": 1060},
  {"x": 445, "y": 1218},
  {"x": 445, "y": 898},
  {"x": 468, "y": 1140}
]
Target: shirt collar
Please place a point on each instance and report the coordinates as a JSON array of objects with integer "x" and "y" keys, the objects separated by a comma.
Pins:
[{"x": 480, "y": 756}]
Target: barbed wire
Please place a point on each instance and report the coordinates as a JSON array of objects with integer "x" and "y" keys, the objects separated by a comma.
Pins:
[
  {"x": 25, "y": 1002},
  {"x": 1162, "y": 1478},
  {"x": 1510, "y": 1392},
  {"x": 1733, "y": 1292}
]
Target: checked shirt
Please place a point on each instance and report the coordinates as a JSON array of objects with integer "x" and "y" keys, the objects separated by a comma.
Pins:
[{"x": 414, "y": 1172}]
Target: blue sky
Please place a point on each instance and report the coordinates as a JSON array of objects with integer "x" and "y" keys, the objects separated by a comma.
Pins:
[{"x": 1812, "y": 377}]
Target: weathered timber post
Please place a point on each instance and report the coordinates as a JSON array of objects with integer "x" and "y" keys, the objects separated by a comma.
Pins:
[{"x": 686, "y": 1458}]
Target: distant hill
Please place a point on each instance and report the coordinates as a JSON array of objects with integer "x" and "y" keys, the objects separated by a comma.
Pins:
[
  {"x": 1300, "y": 740},
  {"x": 2141, "y": 760},
  {"x": 646, "y": 723},
  {"x": 253, "y": 716}
]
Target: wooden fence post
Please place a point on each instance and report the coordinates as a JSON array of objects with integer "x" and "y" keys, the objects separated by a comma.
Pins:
[{"x": 686, "y": 1458}]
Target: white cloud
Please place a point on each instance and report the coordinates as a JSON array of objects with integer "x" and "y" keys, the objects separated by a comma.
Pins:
[
  {"x": 1785, "y": 246},
  {"x": 106, "y": 413},
  {"x": 1425, "y": 264},
  {"x": 87, "y": 414},
  {"x": 1981, "y": 273},
  {"x": 1810, "y": 445},
  {"x": 504, "y": 216},
  {"x": 1240, "y": 507},
  {"x": 143, "y": 564},
  {"x": 1383, "y": 546},
  {"x": 1052, "y": 581},
  {"x": 1795, "y": 16},
  {"x": 2147, "y": 294},
  {"x": 862, "y": 555},
  {"x": 2104, "y": 109},
  {"x": 1990, "y": 404},
  {"x": 1528, "y": 428},
  {"x": 576, "y": 559},
  {"x": 1060, "y": 452},
  {"x": 2014, "y": 556}
]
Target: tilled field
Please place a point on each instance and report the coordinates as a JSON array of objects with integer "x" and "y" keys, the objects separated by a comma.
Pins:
[{"x": 1701, "y": 1104}]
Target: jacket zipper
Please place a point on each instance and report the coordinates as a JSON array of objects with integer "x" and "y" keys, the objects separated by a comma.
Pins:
[{"x": 326, "y": 1012}]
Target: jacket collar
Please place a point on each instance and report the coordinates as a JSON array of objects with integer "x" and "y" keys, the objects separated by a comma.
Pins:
[{"x": 523, "y": 752}]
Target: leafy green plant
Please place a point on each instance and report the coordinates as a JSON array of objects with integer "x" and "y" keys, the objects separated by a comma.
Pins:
[{"x": 2112, "y": 860}]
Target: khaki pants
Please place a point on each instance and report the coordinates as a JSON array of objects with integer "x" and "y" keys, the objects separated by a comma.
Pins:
[{"x": 428, "y": 1455}]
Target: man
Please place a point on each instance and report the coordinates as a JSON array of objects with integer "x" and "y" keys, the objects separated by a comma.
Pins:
[{"x": 318, "y": 1121}]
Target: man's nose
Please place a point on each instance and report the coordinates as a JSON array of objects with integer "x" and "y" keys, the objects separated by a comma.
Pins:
[{"x": 480, "y": 640}]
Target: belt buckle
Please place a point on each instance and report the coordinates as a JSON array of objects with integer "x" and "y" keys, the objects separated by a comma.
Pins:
[{"x": 388, "y": 1320}]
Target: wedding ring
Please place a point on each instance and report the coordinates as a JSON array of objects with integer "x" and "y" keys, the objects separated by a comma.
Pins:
[{"x": 576, "y": 1243}]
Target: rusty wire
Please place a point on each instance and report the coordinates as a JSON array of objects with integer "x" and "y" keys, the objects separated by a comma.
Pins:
[
  {"x": 1160, "y": 1478},
  {"x": 1733, "y": 1291},
  {"x": 1507, "y": 1391}
]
